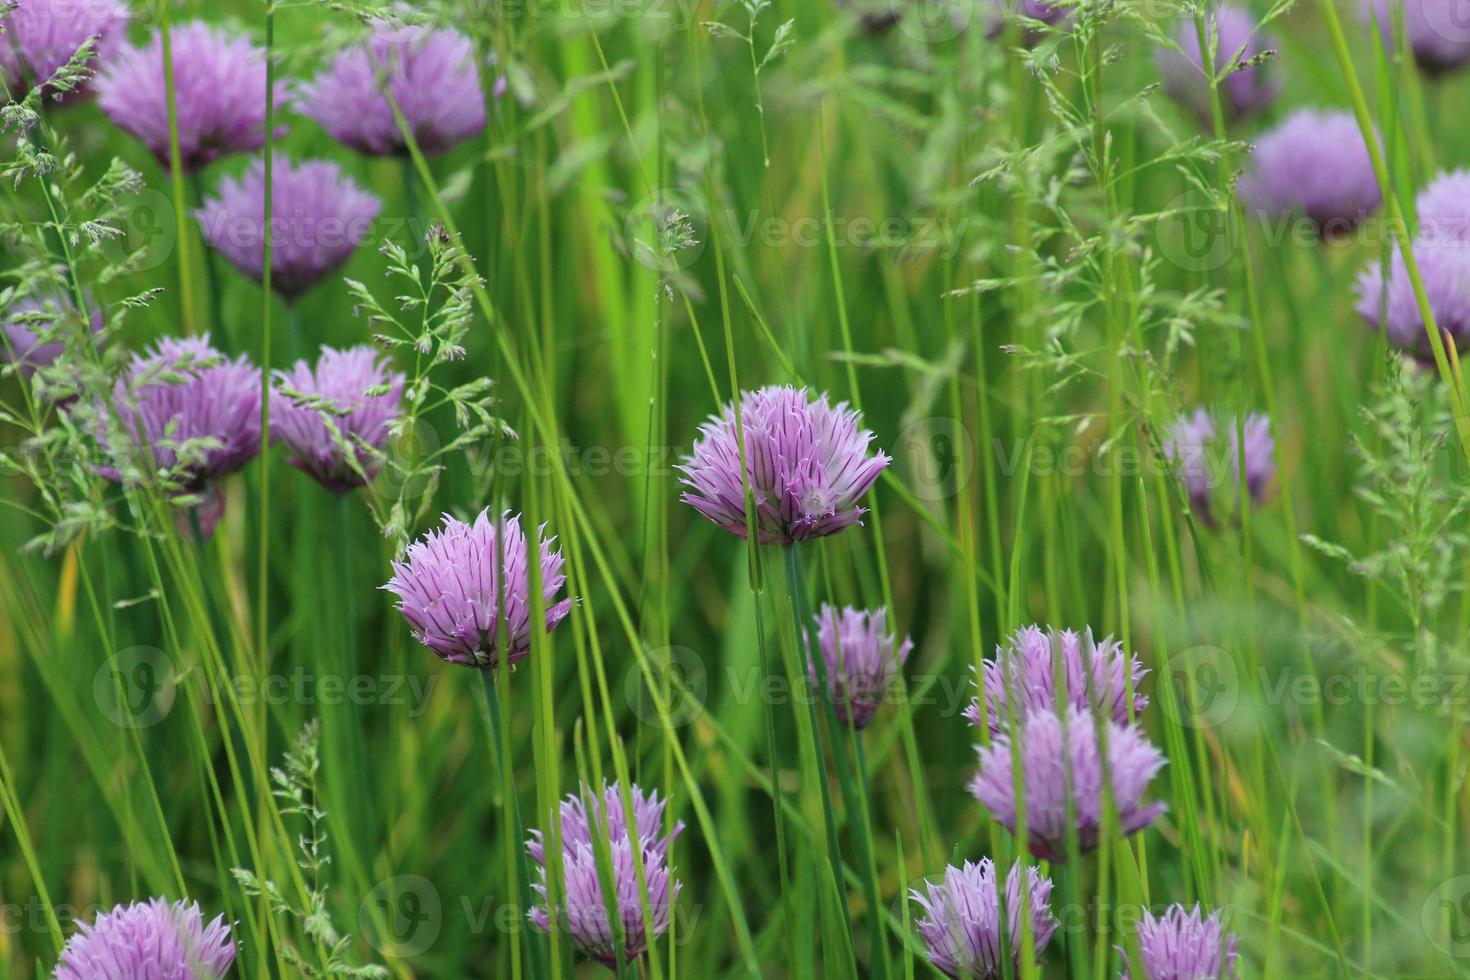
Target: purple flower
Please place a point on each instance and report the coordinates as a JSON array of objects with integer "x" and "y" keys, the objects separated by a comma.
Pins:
[
  {"x": 961, "y": 918},
  {"x": 150, "y": 940},
  {"x": 1029, "y": 657},
  {"x": 1444, "y": 268},
  {"x": 449, "y": 589},
  {"x": 1045, "y": 757},
  {"x": 219, "y": 82},
  {"x": 433, "y": 76},
  {"x": 333, "y": 427},
  {"x": 1444, "y": 208},
  {"x": 1242, "y": 92},
  {"x": 1207, "y": 454},
  {"x": 1029, "y": 13},
  {"x": 319, "y": 217},
  {"x": 1185, "y": 945},
  {"x": 584, "y": 916},
  {"x": 1315, "y": 164},
  {"x": 41, "y": 36},
  {"x": 1439, "y": 35},
  {"x": 860, "y": 657},
  {"x": 807, "y": 464},
  {"x": 186, "y": 417},
  {"x": 31, "y": 336}
]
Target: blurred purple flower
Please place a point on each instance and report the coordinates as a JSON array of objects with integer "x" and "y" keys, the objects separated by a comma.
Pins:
[
  {"x": 433, "y": 76},
  {"x": 449, "y": 589},
  {"x": 151, "y": 940},
  {"x": 319, "y": 217},
  {"x": 1439, "y": 33},
  {"x": 1185, "y": 945},
  {"x": 1205, "y": 449},
  {"x": 219, "y": 94},
  {"x": 29, "y": 343},
  {"x": 335, "y": 409},
  {"x": 584, "y": 916},
  {"x": 1316, "y": 165},
  {"x": 807, "y": 463},
  {"x": 1028, "y": 13},
  {"x": 1045, "y": 757},
  {"x": 1444, "y": 269},
  {"x": 1029, "y": 657},
  {"x": 858, "y": 654},
  {"x": 1242, "y": 92},
  {"x": 185, "y": 415},
  {"x": 960, "y": 924},
  {"x": 40, "y": 36},
  {"x": 1444, "y": 208}
]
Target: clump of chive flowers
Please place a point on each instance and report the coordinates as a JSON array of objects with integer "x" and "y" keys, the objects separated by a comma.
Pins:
[
  {"x": 334, "y": 419},
  {"x": 319, "y": 216},
  {"x": 32, "y": 330},
  {"x": 219, "y": 85},
  {"x": 1026, "y": 666},
  {"x": 152, "y": 940},
  {"x": 590, "y": 817},
  {"x": 1199, "y": 442},
  {"x": 1185, "y": 945},
  {"x": 960, "y": 924},
  {"x": 41, "y": 36},
  {"x": 432, "y": 75},
  {"x": 1314, "y": 165},
  {"x": 806, "y": 461},
  {"x": 860, "y": 658},
  {"x": 450, "y": 587},
  {"x": 1443, "y": 207},
  {"x": 1444, "y": 270},
  {"x": 185, "y": 416},
  {"x": 1245, "y": 91},
  {"x": 1439, "y": 35},
  {"x": 1047, "y": 753}
]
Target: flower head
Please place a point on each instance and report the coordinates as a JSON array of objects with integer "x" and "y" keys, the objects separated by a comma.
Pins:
[
  {"x": 30, "y": 337},
  {"x": 332, "y": 425},
  {"x": 1444, "y": 269},
  {"x": 40, "y": 36},
  {"x": 859, "y": 657},
  {"x": 449, "y": 588},
  {"x": 1030, "y": 658},
  {"x": 1316, "y": 165},
  {"x": 602, "y": 818},
  {"x": 960, "y": 923},
  {"x": 151, "y": 940},
  {"x": 1197, "y": 443},
  {"x": 1439, "y": 37},
  {"x": 1242, "y": 92},
  {"x": 319, "y": 217},
  {"x": 1028, "y": 13},
  {"x": 1444, "y": 208},
  {"x": 433, "y": 76},
  {"x": 1046, "y": 756},
  {"x": 185, "y": 416},
  {"x": 219, "y": 94},
  {"x": 806, "y": 461},
  {"x": 1186, "y": 945}
]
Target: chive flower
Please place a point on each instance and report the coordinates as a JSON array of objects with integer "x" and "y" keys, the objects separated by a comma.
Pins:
[
  {"x": 860, "y": 658},
  {"x": 1438, "y": 31},
  {"x": 319, "y": 217},
  {"x": 451, "y": 583},
  {"x": 1390, "y": 304},
  {"x": 41, "y": 36},
  {"x": 1444, "y": 208},
  {"x": 33, "y": 328},
  {"x": 960, "y": 920},
  {"x": 1028, "y": 14},
  {"x": 152, "y": 940},
  {"x": 1058, "y": 766},
  {"x": 1244, "y": 91},
  {"x": 806, "y": 461},
  {"x": 1315, "y": 166},
  {"x": 432, "y": 75},
  {"x": 334, "y": 419},
  {"x": 591, "y": 821},
  {"x": 1198, "y": 443},
  {"x": 1026, "y": 666},
  {"x": 219, "y": 94},
  {"x": 1185, "y": 945}
]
